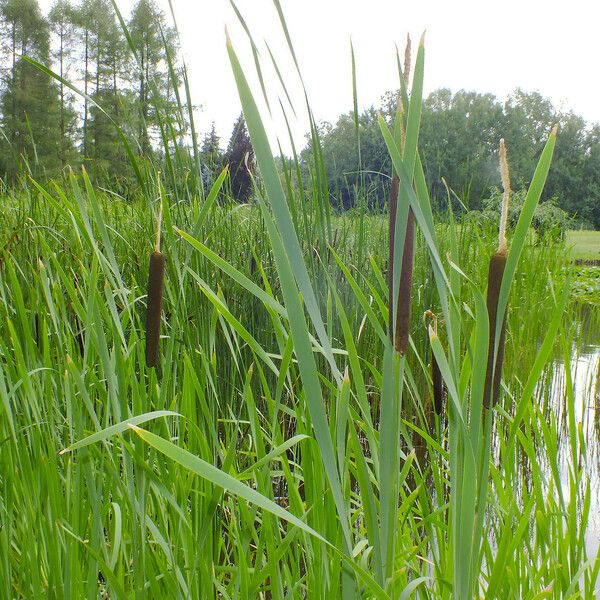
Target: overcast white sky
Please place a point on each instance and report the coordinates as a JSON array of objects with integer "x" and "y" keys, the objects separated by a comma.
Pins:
[{"x": 547, "y": 45}]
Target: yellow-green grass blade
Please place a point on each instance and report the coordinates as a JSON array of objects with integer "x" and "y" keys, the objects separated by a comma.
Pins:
[{"x": 118, "y": 428}]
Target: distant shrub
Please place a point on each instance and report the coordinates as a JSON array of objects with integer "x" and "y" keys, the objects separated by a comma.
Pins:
[{"x": 550, "y": 222}]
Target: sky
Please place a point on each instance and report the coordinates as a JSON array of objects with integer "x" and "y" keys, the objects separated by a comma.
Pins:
[{"x": 546, "y": 45}]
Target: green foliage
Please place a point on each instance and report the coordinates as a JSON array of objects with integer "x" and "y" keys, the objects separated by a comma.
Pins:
[
  {"x": 61, "y": 20},
  {"x": 458, "y": 141},
  {"x": 125, "y": 73},
  {"x": 212, "y": 157},
  {"x": 152, "y": 42},
  {"x": 586, "y": 285},
  {"x": 287, "y": 451},
  {"x": 549, "y": 221},
  {"x": 340, "y": 160},
  {"x": 29, "y": 103}
]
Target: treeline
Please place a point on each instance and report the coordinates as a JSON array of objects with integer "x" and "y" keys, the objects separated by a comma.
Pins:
[
  {"x": 459, "y": 141},
  {"x": 129, "y": 74},
  {"x": 46, "y": 125},
  {"x": 105, "y": 75}
]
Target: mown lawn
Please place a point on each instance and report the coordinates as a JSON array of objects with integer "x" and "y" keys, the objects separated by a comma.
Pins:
[{"x": 585, "y": 244}]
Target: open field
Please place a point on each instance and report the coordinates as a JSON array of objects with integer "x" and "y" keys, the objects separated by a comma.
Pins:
[{"x": 584, "y": 244}]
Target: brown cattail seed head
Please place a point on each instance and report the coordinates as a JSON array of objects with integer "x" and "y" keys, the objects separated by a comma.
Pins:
[
  {"x": 436, "y": 375},
  {"x": 405, "y": 287},
  {"x": 438, "y": 386},
  {"x": 491, "y": 393},
  {"x": 392, "y": 227}
]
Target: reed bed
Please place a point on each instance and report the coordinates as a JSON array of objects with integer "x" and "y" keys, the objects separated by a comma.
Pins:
[{"x": 286, "y": 445}]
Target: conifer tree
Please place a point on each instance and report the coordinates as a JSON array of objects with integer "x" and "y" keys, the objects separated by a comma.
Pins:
[
  {"x": 210, "y": 149},
  {"x": 155, "y": 43},
  {"x": 240, "y": 158},
  {"x": 29, "y": 103},
  {"x": 63, "y": 37}
]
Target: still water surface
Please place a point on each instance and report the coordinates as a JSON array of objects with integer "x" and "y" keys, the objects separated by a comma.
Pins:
[{"x": 585, "y": 381}]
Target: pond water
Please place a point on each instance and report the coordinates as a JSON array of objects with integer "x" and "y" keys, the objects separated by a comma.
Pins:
[{"x": 584, "y": 372}]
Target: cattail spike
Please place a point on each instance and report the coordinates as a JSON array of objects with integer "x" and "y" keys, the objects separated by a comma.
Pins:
[
  {"x": 505, "y": 176},
  {"x": 407, "y": 59},
  {"x": 158, "y": 228},
  {"x": 436, "y": 374},
  {"x": 438, "y": 386},
  {"x": 392, "y": 229},
  {"x": 156, "y": 276},
  {"x": 493, "y": 375},
  {"x": 405, "y": 287}
]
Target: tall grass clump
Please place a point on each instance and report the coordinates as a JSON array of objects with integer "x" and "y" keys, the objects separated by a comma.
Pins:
[{"x": 296, "y": 444}]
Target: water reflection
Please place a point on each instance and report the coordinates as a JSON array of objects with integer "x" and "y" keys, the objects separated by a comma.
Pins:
[{"x": 583, "y": 378}]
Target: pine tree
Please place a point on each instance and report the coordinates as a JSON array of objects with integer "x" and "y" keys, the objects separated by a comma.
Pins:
[
  {"x": 240, "y": 158},
  {"x": 29, "y": 102},
  {"x": 104, "y": 64},
  {"x": 210, "y": 149},
  {"x": 154, "y": 43},
  {"x": 211, "y": 156},
  {"x": 62, "y": 29}
]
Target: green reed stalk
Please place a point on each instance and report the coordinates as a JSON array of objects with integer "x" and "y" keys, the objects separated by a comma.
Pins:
[{"x": 156, "y": 276}]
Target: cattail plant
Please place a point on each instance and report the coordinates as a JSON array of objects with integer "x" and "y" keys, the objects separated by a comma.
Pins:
[
  {"x": 156, "y": 275},
  {"x": 491, "y": 393},
  {"x": 400, "y": 320}
]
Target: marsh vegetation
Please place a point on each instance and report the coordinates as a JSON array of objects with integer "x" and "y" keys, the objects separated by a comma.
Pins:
[{"x": 292, "y": 403}]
